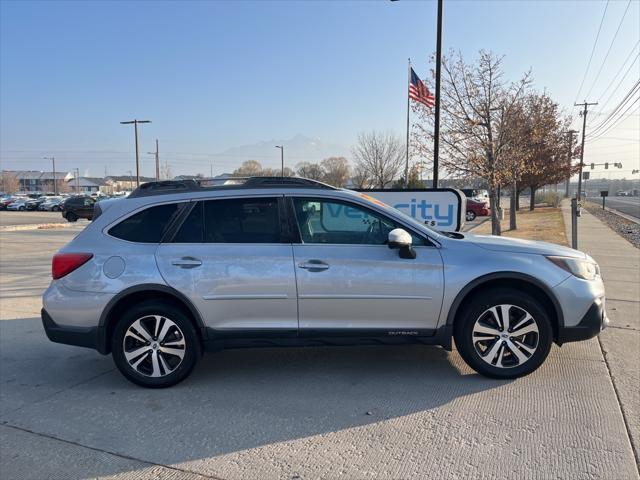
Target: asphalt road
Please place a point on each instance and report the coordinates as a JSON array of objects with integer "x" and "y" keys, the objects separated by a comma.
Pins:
[
  {"x": 628, "y": 205},
  {"x": 362, "y": 412},
  {"x": 27, "y": 218}
]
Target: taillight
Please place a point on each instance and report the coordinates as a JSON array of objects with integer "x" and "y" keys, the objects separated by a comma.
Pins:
[{"x": 65, "y": 263}]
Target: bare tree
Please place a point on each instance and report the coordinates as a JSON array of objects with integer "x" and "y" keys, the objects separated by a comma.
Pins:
[
  {"x": 165, "y": 172},
  {"x": 336, "y": 171},
  {"x": 476, "y": 103},
  {"x": 360, "y": 178},
  {"x": 309, "y": 170},
  {"x": 380, "y": 155},
  {"x": 249, "y": 168},
  {"x": 9, "y": 183}
]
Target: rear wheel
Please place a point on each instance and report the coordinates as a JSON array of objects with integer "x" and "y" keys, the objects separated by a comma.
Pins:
[
  {"x": 155, "y": 345},
  {"x": 471, "y": 216},
  {"x": 503, "y": 334},
  {"x": 71, "y": 217},
  {"x": 55, "y": 209}
]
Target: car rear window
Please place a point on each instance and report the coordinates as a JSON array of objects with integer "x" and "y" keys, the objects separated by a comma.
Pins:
[
  {"x": 239, "y": 220},
  {"x": 147, "y": 226}
]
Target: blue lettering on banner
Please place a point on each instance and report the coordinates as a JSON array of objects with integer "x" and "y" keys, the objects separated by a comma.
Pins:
[{"x": 420, "y": 210}]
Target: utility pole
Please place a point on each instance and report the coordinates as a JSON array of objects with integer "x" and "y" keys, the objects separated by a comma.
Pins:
[
  {"x": 281, "y": 147},
  {"x": 77, "y": 180},
  {"x": 156, "y": 154},
  {"x": 55, "y": 183},
  {"x": 584, "y": 126},
  {"x": 135, "y": 125},
  {"x": 436, "y": 126},
  {"x": 566, "y": 187}
]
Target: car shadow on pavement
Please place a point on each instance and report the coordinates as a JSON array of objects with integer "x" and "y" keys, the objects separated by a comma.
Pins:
[{"x": 234, "y": 401}]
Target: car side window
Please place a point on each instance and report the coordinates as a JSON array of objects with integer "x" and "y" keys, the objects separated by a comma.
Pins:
[
  {"x": 331, "y": 221},
  {"x": 237, "y": 220},
  {"x": 146, "y": 226}
]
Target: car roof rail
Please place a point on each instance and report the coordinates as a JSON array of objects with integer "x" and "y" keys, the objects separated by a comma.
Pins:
[{"x": 166, "y": 187}]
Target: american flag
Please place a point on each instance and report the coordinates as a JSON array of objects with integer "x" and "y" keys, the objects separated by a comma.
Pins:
[{"x": 419, "y": 92}]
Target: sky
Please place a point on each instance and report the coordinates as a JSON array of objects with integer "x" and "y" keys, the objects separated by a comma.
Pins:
[{"x": 214, "y": 75}]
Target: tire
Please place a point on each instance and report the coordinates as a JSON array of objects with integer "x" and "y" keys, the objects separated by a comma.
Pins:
[
  {"x": 55, "y": 209},
  {"x": 471, "y": 216},
  {"x": 497, "y": 353},
  {"x": 21, "y": 209},
  {"x": 72, "y": 217},
  {"x": 139, "y": 323}
]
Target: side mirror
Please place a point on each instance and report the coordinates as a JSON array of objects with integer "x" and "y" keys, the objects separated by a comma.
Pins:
[{"x": 401, "y": 239}]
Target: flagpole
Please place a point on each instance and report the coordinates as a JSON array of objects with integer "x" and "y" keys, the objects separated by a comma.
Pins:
[{"x": 406, "y": 167}]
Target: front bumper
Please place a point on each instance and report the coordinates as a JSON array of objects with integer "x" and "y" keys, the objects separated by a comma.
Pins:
[{"x": 591, "y": 324}]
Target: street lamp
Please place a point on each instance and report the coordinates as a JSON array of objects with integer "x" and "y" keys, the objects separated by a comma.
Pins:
[
  {"x": 135, "y": 125},
  {"x": 55, "y": 185},
  {"x": 281, "y": 147}
]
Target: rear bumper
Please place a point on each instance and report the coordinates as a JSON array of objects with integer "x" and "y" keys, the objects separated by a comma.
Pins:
[
  {"x": 591, "y": 324},
  {"x": 89, "y": 337}
]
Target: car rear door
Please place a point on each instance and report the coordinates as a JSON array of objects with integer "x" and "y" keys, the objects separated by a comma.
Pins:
[
  {"x": 231, "y": 257},
  {"x": 350, "y": 282}
]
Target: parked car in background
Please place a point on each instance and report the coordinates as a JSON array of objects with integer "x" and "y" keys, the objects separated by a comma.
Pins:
[
  {"x": 74, "y": 208},
  {"x": 20, "y": 204},
  {"x": 35, "y": 203},
  {"x": 6, "y": 201},
  {"x": 178, "y": 267},
  {"x": 476, "y": 193},
  {"x": 53, "y": 204},
  {"x": 477, "y": 208}
]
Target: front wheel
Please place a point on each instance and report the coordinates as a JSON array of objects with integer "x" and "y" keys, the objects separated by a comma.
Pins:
[
  {"x": 72, "y": 217},
  {"x": 155, "y": 345},
  {"x": 471, "y": 216},
  {"x": 503, "y": 333},
  {"x": 55, "y": 209}
]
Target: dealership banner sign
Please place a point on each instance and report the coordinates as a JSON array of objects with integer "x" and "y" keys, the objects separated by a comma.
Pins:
[{"x": 440, "y": 208}]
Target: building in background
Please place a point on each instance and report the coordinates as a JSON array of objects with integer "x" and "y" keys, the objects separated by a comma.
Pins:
[{"x": 37, "y": 181}]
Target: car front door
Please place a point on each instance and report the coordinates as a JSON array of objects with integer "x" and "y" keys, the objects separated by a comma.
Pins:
[
  {"x": 350, "y": 282},
  {"x": 234, "y": 262}
]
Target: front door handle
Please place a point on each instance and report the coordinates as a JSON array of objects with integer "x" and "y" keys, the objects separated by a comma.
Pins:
[
  {"x": 314, "y": 265},
  {"x": 187, "y": 262}
]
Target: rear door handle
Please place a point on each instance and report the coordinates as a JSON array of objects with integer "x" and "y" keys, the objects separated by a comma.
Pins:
[
  {"x": 314, "y": 265},
  {"x": 187, "y": 262}
]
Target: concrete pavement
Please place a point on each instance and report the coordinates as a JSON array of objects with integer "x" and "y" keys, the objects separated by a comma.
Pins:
[{"x": 619, "y": 262}]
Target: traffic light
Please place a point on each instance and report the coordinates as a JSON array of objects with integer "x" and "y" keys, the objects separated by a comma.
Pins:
[
  {"x": 606, "y": 165},
  {"x": 620, "y": 165},
  {"x": 592, "y": 166}
]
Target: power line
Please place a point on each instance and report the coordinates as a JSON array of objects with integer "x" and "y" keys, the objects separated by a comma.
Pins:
[
  {"x": 609, "y": 49},
  {"x": 616, "y": 109},
  {"x": 592, "y": 51},
  {"x": 620, "y": 119},
  {"x": 617, "y": 87},
  {"x": 620, "y": 69}
]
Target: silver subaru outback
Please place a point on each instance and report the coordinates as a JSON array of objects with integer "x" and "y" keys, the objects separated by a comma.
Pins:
[{"x": 182, "y": 267}]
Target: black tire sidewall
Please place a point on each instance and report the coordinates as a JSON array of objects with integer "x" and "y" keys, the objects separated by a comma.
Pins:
[
  {"x": 175, "y": 314},
  {"x": 476, "y": 306}
]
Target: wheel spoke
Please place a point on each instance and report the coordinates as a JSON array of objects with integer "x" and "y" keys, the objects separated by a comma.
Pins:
[
  {"x": 172, "y": 351},
  {"x": 137, "y": 325},
  {"x": 139, "y": 361},
  {"x": 526, "y": 348},
  {"x": 165, "y": 329},
  {"x": 156, "y": 327},
  {"x": 505, "y": 309},
  {"x": 532, "y": 327},
  {"x": 485, "y": 330},
  {"x": 491, "y": 354},
  {"x": 522, "y": 322},
  {"x": 496, "y": 317},
  {"x": 136, "y": 353},
  {"x": 518, "y": 353},
  {"x": 131, "y": 333},
  {"x": 176, "y": 343},
  {"x": 155, "y": 364}
]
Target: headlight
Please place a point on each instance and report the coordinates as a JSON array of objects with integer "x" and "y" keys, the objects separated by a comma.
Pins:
[{"x": 585, "y": 269}]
